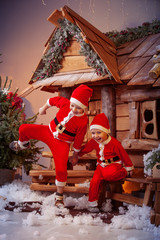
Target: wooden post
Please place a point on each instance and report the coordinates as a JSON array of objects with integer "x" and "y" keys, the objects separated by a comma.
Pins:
[
  {"x": 65, "y": 92},
  {"x": 157, "y": 205},
  {"x": 109, "y": 106}
]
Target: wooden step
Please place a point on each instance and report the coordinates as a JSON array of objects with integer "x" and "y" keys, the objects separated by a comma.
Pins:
[
  {"x": 48, "y": 176},
  {"x": 53, "y": 188},
  {"x": 52, "y": 180},
  {"x": 137, "y": 180},
  {"x": 52, "y": 173},
  {"x": 127, "y": 198}
]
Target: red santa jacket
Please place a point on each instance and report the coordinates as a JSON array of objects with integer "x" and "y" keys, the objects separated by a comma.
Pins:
[
  {"x": 112, "y": 148},
  {"x": 76, "y": 125}
]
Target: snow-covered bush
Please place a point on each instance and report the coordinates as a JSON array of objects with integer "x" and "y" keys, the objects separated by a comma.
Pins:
[{"x": 150, "y": 159}]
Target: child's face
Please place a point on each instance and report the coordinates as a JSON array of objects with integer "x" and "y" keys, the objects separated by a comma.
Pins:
[
  {"x": 99, "y": 136},
  {"x": 76, "y": 109}
]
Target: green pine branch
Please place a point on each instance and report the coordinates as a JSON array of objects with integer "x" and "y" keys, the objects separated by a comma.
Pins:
[{"x": 11, "y": 118}]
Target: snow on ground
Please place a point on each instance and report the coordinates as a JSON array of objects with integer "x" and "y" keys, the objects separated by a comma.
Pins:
[{"x": 133, "y": 218}]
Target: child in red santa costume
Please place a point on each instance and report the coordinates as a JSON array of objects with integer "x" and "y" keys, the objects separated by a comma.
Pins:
[
  {"x": 69, "y": 125},
  {"x": 113, "y": 163}
]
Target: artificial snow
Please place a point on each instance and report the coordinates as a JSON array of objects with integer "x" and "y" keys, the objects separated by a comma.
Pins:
[
  {"x": 135, "y": 218},
  {"x": 150, "y": 159},
  {"x": 130, "y": 217},
  {"x": 3, "y": 236}
]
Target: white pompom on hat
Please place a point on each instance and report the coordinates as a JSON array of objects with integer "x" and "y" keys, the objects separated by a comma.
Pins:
[
  {"x": 100, "y": 122},
  {"x": 81, "y": 96}
]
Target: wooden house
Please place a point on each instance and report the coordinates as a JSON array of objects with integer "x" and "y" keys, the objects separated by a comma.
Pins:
[
  {"x": 129, "y": 95},
  {"x": 130, "y": 98}
]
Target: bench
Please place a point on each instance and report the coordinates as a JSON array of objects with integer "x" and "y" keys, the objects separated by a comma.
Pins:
[{"x": 43, "y": 180}]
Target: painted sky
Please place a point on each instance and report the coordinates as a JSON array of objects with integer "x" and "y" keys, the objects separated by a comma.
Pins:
[{"x": 24, "y": 28}]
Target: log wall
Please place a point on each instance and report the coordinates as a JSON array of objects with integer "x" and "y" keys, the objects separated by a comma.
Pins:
[{"x": 131, "y": 105}]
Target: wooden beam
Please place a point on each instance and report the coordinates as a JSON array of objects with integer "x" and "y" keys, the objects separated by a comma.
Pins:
[
  {"x": 26, "y": 91},
  {"x": 134, "y": 120},
  {"x": 137, "y": 180},
  {"x": 52, "y": 180},
  {"x": 127, "y": 198},
  {"x": 148, "y": 196},
  {"x": 53, "y": 18},
  {"x": 109, "y": 106},
  {"x": 53, "y": 188},
  {"x": 130, "y": 95},
  {"x": 157, "y": 219},
  {"x": 67, "y": 15},
  {"x": 71, "y": 173},
  {"x": 139, "y": 144}
]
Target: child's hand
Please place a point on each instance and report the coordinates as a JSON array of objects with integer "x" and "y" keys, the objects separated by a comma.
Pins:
[
  {"x": 42, "y": 111},
  {"x": 130, "y": 173},
  {"x": 74, "y": 159}
]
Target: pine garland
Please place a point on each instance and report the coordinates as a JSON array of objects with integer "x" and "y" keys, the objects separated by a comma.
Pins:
[
  {"x": 131, "y": 34},
  {"x": 51, "y": 61}
]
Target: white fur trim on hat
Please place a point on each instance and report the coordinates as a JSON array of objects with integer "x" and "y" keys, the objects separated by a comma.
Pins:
[
  {"x": 74, "y": 100},
  {"x": 96, "y": 126}
]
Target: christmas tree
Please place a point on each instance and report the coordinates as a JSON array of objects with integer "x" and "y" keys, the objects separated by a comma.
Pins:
[{"x": 11, "y": 117}]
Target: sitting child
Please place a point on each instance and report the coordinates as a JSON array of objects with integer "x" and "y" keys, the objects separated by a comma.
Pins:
[{"x": 113, "y": 163}]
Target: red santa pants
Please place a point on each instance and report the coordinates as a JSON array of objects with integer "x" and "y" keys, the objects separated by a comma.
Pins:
[
  {"x": 112, "y": 172},
  {"x": 59, "y": 149}
]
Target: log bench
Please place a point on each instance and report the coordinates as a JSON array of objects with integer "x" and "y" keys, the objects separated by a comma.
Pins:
[{"x": 43, "y": 180}]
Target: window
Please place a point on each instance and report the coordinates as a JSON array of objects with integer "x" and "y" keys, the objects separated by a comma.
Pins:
[{"x": 150, "y": 119}]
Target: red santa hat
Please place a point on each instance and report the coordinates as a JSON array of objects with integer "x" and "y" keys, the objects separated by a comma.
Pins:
[
  {"x": 100, "y": 122},
  {"x": 81, "y": 96}
]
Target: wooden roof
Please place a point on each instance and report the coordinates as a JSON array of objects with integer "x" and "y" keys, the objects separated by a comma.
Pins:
[
  {"x": 135, "y": 61},
  {"x": 99, "y": 42},
  {"x": 129, "y": 64}
]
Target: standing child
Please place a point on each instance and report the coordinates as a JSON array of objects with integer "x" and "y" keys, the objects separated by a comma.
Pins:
[
  {"x": 69, "y": 125},
  {"x": 113, "y": 163}
]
